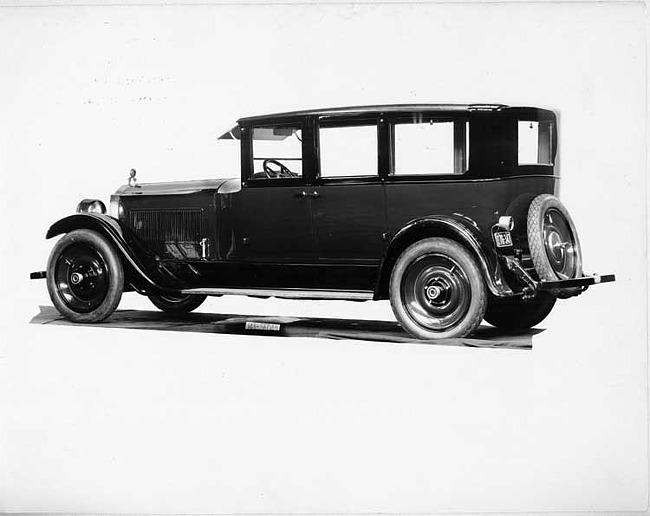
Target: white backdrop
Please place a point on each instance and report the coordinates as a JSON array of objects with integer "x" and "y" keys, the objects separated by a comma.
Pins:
[{"x": 101, "y": 420}]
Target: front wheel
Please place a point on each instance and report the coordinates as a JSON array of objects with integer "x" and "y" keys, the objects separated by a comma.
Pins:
[
  {"x": 85, "y": 277},
  {"x": 516, "y": 314},
  {"x": 437, "y": 291},
  {"x": 177, "y": 304}
]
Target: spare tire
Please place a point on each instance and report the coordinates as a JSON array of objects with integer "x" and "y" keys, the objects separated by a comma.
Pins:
[{"x": 553, "y": 243}]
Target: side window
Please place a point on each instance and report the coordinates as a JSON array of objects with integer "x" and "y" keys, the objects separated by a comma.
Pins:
[
  {"x": 534, "y": 142},
  {"x": 431, "y": 147},
  {"x": 277, "y": 152},
  {"x": 348, "y": 151}
]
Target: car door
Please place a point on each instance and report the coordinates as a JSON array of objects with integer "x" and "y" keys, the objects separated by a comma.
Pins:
[
  {"x": 272, "y": 210},
  {"x": 347, "y": 197},
  {"x": 429, "y": 168}
]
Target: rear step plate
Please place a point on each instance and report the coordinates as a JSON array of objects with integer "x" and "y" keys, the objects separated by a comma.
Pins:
[{"x": 577, "y": 282}]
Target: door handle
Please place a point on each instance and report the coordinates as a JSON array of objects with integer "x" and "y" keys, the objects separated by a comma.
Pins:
[
  {"x": 300, "y": 195},
  {"x": 315, "y": 194}
]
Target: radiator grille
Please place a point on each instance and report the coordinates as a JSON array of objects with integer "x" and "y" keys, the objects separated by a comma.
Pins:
[{"x": 177, "y": 225}]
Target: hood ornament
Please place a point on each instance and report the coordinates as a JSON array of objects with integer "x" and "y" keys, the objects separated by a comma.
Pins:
[{"x": 132, "y": 179}]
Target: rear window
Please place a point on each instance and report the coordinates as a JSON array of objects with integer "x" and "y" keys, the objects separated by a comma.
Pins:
[{"x": 535, "y": 142}]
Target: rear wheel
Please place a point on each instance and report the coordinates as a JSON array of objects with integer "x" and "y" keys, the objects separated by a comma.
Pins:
[
  {"x": 437, "y": 291},
  {"x": 516, "y": 314},
  {"x": 179, "y": 304},
  {"x": 85, "y": 277}
]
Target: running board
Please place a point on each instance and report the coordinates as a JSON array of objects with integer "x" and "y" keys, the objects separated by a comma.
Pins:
[{"x": 354, "y": 295}]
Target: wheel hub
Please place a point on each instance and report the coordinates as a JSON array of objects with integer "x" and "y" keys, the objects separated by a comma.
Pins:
[
  {"x": 437, "y": 291},
  {"x": 81, "y": 278},
  {"x": 76, "y": 278},
  {"x": 433, "y": 292},
  {"x": 560, "y": 244},
  {"x": 555, "y": 245}
]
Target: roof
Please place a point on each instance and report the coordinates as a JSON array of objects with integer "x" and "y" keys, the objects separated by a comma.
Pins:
[
  {"x": 235, "y": 134},
  {"x": 387, "y": 108}
]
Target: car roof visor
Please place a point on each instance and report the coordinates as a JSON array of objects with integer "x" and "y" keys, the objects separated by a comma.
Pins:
[{"x": 232, "y": 134}]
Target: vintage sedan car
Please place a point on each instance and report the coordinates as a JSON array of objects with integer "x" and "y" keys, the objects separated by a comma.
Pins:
[{"x": 449, "y": 211}]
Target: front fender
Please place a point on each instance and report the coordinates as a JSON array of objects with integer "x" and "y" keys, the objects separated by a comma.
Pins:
[
  {"x": 145, "y": 271},
  {"x": 94, "y": 221},
  {"x": 456, "y": 227}
]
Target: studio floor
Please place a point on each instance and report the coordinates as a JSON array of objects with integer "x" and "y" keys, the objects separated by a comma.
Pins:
[{"x": 279, "y": 326}]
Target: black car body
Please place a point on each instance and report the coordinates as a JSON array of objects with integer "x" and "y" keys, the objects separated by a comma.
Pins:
[{"x": 448, "y": 210}]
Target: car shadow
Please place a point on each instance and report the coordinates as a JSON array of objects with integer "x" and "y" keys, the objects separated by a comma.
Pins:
[{"x": 278, "y": 326}]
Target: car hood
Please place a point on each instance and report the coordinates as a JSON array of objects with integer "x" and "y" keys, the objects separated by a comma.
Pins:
[{"x": 181, "y": 187}]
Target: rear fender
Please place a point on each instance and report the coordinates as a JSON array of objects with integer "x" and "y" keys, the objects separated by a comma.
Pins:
[
  {"x": 143, "y": 272},
  {"x": 455, "y": 227}
]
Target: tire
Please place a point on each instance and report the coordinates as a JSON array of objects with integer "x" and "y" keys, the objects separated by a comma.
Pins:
[
  {"x": 553, "y": 243},
  {"x": 515, "y": 314},
  {"x": 85, "y": 277},
  {"x": 177, "y": 304},
  {"x": 437, "y": 291}
]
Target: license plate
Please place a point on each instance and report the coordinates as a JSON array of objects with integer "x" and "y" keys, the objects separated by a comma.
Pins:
[{"x": 503, "y": 239}]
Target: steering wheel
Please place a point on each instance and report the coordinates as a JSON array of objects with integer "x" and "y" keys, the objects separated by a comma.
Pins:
[{"x": 282, "y": 171}]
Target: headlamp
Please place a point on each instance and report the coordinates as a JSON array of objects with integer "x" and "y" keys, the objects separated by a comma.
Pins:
[{"x": 91, "y": 206}]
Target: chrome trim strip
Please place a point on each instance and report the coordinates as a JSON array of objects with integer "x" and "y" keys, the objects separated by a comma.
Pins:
[
  {"x": 446, "y": 178},
  {"x": 360, "y": 295}
]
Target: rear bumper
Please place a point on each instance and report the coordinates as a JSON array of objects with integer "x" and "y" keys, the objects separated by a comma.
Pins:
[{"x": 585, "y": 281}]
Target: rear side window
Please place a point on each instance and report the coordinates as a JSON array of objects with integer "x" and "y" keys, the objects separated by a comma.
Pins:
[
  {"x": 348, "y": 151},
  {"x": 431, "y": 147},
  {"x": 534, "y": 142}
]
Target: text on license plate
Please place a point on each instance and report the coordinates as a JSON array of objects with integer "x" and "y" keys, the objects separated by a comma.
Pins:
[{"x": 503, "y": 239}]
